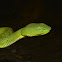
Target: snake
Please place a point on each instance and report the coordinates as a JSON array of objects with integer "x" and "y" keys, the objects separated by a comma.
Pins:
[{"x": 8, "y": 36}]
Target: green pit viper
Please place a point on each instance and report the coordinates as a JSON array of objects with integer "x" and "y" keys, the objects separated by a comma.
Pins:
[{"x": 8, "y": 36}]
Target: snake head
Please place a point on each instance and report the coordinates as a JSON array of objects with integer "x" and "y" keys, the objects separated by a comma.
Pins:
[{"x": 35, "y": 29}]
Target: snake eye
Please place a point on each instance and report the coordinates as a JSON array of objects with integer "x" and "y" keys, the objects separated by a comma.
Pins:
[
  {"x": 39, "y": 28},
  {"x": 44, "y": 29}
]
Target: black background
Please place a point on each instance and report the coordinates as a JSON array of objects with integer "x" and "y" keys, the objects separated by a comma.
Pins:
[{"x": 17, "y": 14}]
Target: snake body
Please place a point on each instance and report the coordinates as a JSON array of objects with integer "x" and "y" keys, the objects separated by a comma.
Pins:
[{"x": 8, "y": 36}]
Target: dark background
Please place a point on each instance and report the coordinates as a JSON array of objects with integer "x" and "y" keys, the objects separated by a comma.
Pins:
[{"x": 17, "y": 14}]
